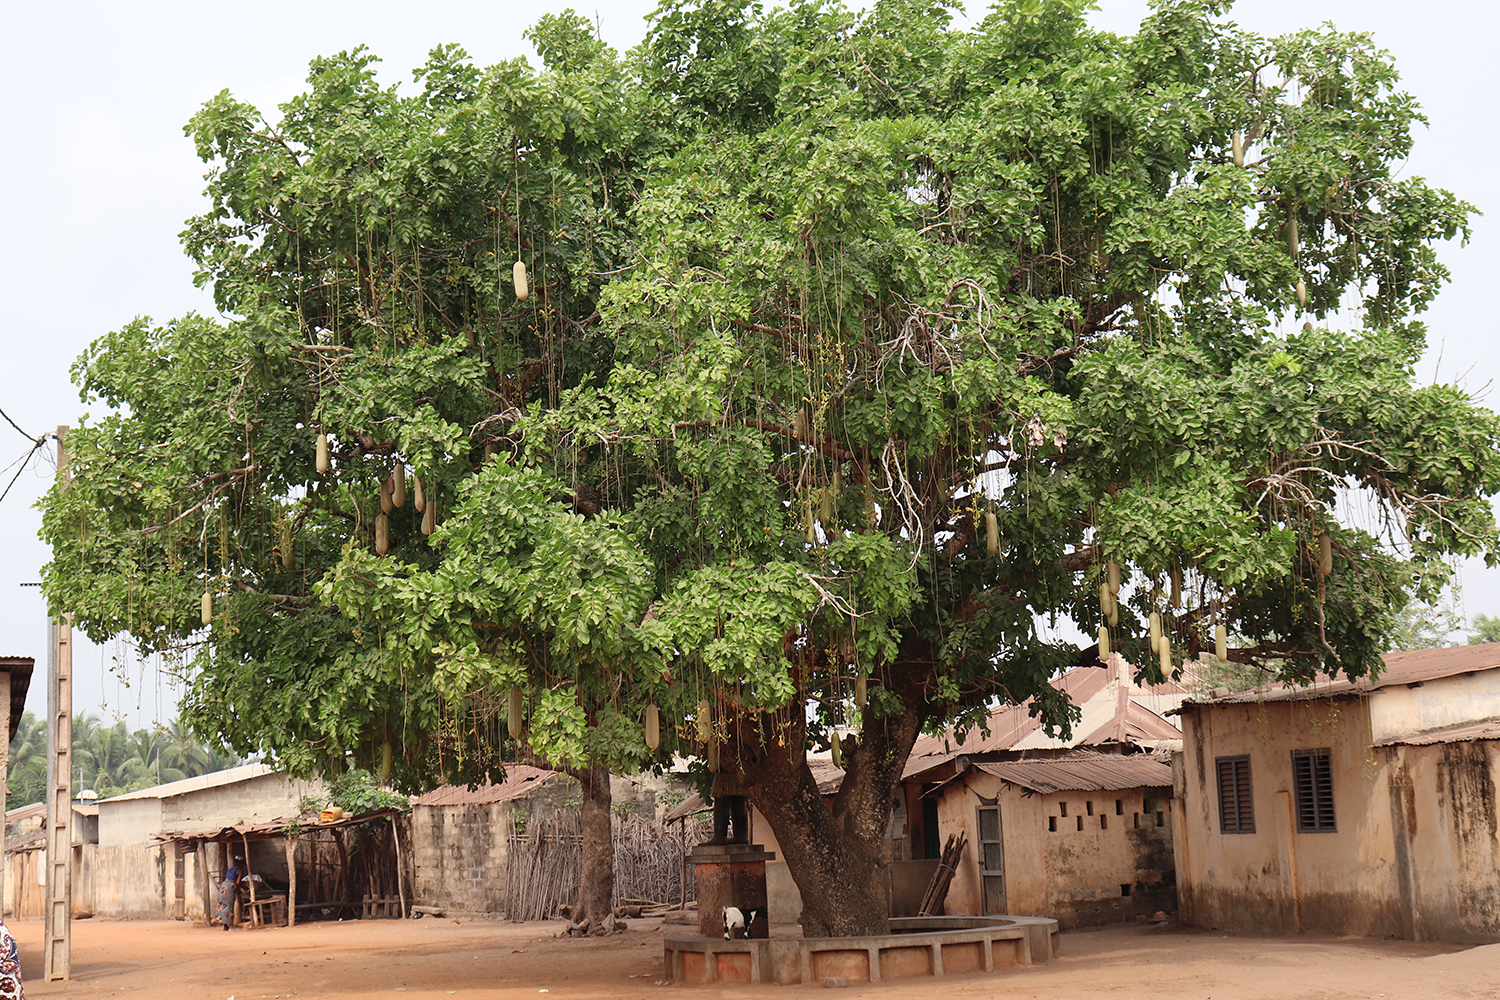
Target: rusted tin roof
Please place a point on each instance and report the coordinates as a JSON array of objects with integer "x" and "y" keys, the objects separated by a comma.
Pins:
[
  {"x": 1409, "y": 667},
  {"x": 520, "y": 780},
  {"x": 1466, "y": 732},
  {"x": 1096, "y": 772},
  {"x": 1095, "y": 691},
  {"x": 690, "y": 806},
  {"x": 273, "y": 829}
]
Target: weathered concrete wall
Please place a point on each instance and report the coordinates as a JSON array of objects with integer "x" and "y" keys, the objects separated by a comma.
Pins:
[
  {"x": 1275, "y": 879},
  {"x": 131, "y": 880},
  {"x": 460, "y": 852},
  {"x": 1446, "y": 845},
  {"x": 1082, "y": 858},
  {"x": 255, "y": 800},
  {"x": 1118, "y": 865},
  {"x": 1400, "y": 710},
  {"x": 131, "y": 821}
]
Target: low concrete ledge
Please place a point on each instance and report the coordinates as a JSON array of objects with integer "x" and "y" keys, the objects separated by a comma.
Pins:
[{"x": 917, "y": 946}]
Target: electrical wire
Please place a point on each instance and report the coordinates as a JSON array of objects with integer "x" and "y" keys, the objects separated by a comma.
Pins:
[
  {"x": 29, "y": 437},
  {"x": 23, "y": 461}
]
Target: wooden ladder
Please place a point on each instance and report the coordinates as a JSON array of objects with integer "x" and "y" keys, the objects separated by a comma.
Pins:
[{"x": 58, "y": 959}]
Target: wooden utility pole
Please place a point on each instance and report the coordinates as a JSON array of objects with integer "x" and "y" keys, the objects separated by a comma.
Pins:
[{"x": 58, "y": 961}]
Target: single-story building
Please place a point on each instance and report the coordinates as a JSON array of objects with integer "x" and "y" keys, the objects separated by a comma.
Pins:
[
  {"x": 135, "y": 874},
  {"x": 950, "y": 784},
  {"x": 1366, "y": 808},
  {"x": 1083, "y": 839}
]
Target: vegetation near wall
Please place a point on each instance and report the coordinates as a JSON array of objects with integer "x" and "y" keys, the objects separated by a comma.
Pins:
[{"x": 800, "y": 368}]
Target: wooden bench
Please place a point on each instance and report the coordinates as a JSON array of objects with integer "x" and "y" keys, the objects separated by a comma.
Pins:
[{"x": 272, "y": 907}]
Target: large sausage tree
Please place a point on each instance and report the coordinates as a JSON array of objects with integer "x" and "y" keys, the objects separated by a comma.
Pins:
[{"x": 858, "y": 354}]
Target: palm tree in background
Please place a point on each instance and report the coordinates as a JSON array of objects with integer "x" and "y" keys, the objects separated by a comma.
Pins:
[{"x": 109, "y": 759}]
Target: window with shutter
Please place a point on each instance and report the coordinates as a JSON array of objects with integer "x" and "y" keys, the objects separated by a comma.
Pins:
[
  {"x": 1312, "y": 780},
  {"x": 1236, "y": 814}
]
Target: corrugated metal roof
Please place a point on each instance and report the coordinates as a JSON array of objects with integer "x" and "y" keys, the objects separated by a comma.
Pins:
[
  {"x": 214, "y": 779},
  {"x": 1096, "y": 691},
  {"x": 520, "y": 780},
  {"x": 272, "y": 828},
  {"x": 1466, "y": 732},
  {"x": 690, "y": 806},
  {"x": 1407, "y": 667},
  {"x": 1102, "y": 772}
]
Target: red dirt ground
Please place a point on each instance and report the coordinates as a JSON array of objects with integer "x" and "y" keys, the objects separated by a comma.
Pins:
[{"x": 434, "y": 958}]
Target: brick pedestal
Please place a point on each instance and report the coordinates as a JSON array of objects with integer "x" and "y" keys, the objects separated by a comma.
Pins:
[{"x": 731, "y": 875}]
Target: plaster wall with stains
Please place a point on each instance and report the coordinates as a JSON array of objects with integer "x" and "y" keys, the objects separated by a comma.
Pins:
[
  {"x": 1402, "y": 709},
  {"x": 1081, "y": 857},
  {"x": 1273, "y": 878},
  {"x": 1447, "y": 846}
]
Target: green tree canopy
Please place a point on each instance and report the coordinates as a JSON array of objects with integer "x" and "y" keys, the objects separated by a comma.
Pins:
[{"x": 857, "y": 350}]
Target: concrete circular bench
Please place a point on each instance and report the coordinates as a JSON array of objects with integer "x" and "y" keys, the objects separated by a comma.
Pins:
[{"x": 916, "y": 946}]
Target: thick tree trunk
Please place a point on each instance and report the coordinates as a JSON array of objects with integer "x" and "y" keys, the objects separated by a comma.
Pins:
[
  {"x": 836, "y": 852},
  {"x": 596, "y": 893}
]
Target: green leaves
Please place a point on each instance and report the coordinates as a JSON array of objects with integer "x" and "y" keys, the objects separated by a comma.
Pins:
[{"x": 815, "y": 292}]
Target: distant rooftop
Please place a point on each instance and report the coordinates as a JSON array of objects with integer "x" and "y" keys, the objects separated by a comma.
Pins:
[
  {"x": 188, "y": 785},
  {"x": 1103, "y": 720},
  {"x": 519, "y": 780},
  {"x": 1415, "y": 666}
]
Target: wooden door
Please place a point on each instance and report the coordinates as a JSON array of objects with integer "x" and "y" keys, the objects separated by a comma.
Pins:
[
  {"x": 991, "y": 860},
  {"x": 179, "y": 881}
]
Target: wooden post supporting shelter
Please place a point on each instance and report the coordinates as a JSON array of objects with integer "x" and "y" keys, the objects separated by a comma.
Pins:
[
  {"x": 291, "y": 876},
  {"x": 208, "y": 883},
  {"x": 400, "y": 882}
]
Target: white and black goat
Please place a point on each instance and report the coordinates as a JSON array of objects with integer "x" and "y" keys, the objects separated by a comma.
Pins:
[{"x": 737, "y": 920}]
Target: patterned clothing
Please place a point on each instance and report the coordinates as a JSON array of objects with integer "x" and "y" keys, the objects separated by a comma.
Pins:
[
  {"x": 224, "y": 908},
  {"x": 10, "y": 967}
]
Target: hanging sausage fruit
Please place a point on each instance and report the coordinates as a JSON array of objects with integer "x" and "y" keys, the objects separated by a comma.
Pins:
[
  {"x": 653, "y": 726},
  {"x": 518, "y": 273},
  {"x": 398, "y": 485}
]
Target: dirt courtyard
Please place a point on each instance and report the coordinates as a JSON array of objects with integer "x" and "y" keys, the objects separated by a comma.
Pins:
[{"x": 433, "y": 958}]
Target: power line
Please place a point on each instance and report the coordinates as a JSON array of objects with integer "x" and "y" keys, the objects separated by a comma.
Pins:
[
  {"x": 30, "y": 437},
  {"x": 24, "y": 460}
]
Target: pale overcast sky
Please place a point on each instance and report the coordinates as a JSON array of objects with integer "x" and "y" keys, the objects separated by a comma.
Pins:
[{"x": 100, "y": 179}]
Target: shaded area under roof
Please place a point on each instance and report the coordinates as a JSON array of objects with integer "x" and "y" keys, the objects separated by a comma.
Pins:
[
  {"x": 520, "y": 779},
  {"x": 1096, "y": 772}
]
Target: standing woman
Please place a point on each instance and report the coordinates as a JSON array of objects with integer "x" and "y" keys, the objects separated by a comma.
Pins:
[
  {"x": 224, "y": 911},
  {"x": 10, "y": 967}
]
